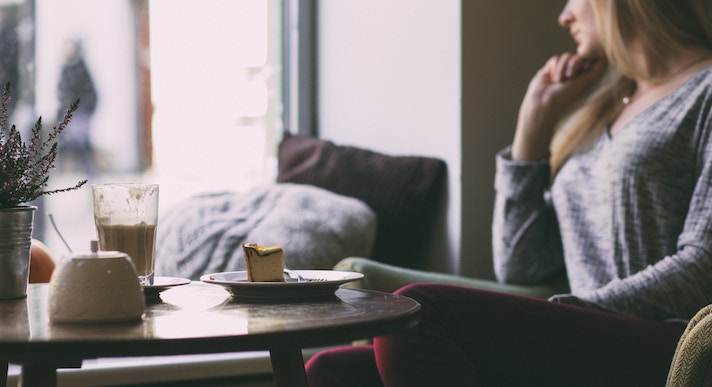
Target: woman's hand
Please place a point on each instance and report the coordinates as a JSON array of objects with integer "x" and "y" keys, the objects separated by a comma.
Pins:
[
  {"x": 554, "y": 88},
  {"x": 573, "y": 300}
]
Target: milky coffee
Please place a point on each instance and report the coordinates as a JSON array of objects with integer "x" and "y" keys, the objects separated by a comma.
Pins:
[{"x": 138, "y": 241}]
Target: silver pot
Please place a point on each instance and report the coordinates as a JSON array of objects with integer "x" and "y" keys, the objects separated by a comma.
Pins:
[{"x": 15, "y": 241}]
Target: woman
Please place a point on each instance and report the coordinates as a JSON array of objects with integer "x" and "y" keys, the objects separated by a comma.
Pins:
[{"x": 609, "y": 177}]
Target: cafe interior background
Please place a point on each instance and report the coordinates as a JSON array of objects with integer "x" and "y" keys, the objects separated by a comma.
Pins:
[
  {"x": 194, "y": 95},
  {"x": 162, "y": 115}
]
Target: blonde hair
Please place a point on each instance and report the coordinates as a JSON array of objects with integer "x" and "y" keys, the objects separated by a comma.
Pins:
[{"x": 661, "y": 26}]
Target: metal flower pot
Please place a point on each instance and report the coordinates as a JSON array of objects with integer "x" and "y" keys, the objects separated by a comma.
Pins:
[{"x": 15, "y": 241}]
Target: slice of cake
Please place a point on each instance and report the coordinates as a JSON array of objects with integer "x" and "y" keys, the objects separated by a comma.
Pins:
[{"x": 264, "y": 264}]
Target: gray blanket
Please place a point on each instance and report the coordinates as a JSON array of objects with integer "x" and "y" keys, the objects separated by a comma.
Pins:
[{"x": 316, "y": 228}]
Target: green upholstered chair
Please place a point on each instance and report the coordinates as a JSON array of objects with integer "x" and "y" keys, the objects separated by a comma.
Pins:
[{"x": 387, "y": 278}]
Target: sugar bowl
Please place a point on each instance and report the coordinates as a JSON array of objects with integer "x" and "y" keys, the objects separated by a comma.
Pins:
[{"x": 96, "y": 287}]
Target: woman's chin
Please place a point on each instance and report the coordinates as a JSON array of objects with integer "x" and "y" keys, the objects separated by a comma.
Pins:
[{"x": 588, "y": 52}]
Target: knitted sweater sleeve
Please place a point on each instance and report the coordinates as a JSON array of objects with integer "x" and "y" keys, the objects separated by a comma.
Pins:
[{"x": 526, "y": 241}]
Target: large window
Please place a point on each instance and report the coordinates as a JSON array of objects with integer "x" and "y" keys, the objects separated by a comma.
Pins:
[
  {"x": 216, "y": 88},
  {"x": 186, "y": 93}
]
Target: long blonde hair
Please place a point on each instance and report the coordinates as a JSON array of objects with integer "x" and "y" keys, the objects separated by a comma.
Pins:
[{"x": 661, "y": 27}]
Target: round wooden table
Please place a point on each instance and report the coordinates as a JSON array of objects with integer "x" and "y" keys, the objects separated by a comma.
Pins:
[{"x": 193, "y": 319}]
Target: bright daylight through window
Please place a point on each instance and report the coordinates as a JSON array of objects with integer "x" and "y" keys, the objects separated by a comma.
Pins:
[{"x": 183, "y": 93}]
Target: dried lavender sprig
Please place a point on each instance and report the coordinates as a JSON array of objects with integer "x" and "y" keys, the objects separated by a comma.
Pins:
[{"x": 24, "y": 167}]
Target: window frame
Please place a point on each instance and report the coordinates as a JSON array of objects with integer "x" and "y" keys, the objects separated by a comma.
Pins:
[{"x": 300, "y": 83}]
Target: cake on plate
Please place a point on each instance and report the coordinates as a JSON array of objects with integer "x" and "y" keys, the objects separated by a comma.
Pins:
[{"x": 264, "y": 264}]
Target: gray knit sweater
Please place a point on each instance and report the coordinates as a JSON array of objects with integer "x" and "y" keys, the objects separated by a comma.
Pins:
[{"x": 630, "y": 219}]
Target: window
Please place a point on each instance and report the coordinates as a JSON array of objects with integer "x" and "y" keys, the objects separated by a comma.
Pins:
[
  {"x": 216, "y": 89},
  {"x": 189, "y": 94}
]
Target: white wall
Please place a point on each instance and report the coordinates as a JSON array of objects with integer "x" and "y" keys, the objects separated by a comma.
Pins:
[{"x": 389, "y": 81}]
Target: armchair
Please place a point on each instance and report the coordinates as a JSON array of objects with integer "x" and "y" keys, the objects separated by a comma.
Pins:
[
  {"x": 388, "y": 278},
  {"x": 692, "y": 363}
]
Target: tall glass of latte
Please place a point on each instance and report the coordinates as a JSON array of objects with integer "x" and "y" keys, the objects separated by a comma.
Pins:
[{"x": 126, "y": 216}]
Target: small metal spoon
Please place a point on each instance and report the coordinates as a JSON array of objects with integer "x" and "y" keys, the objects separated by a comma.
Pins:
[{"x": 54, "y": 225}]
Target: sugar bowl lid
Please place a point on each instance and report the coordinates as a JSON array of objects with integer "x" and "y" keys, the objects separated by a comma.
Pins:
[{"x": 94, "y": 252}]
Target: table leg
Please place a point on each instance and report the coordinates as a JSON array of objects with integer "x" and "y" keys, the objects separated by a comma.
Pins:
[
  {"x": 288, "y": 367},
  {"x": 3, "y": 374},
  {"x": 38, "y": 375}
]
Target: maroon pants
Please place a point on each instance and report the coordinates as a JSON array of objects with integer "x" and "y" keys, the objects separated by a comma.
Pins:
[{"x": 472, "y": 337}]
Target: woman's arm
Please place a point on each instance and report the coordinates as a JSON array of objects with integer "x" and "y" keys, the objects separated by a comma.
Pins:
[
  {"x": 526, "y": 240},
  {"x": 676, "y": 287}
]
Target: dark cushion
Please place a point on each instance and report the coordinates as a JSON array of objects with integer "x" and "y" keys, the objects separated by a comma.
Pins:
[{"x": 403, "y": 191}]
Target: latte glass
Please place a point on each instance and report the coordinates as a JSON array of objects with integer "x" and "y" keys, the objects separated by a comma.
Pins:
[{"x": 126, "y": 217}]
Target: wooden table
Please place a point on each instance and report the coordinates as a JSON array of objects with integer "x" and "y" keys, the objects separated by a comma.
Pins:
[{"x": 194, "y": 319}]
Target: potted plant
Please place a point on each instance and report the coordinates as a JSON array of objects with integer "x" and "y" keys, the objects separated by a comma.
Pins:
[{"x": 24, "y": 171}]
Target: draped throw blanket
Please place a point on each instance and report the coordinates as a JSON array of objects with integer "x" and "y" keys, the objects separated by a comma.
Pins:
[{"x": 316, "y": 228}]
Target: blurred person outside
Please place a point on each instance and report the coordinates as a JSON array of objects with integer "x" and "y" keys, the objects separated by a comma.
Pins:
[
  {"x": 76, "y": 82},
  {"x": 9, "y": 54}
]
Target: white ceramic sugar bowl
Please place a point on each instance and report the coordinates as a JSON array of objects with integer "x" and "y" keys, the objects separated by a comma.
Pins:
[{"x": 98, "y": 287}]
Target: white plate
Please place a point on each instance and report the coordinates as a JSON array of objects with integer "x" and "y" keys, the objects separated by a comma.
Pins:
[
  {"x": 319, "y": 283},
  {"x": 163, "y": 283}
]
